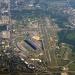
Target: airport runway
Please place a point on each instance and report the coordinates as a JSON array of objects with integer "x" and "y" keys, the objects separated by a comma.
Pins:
[{"x": 49, "y": 52}]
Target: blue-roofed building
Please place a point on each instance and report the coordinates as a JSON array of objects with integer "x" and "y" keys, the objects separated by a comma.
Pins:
[{"x": 31, "y": 44}]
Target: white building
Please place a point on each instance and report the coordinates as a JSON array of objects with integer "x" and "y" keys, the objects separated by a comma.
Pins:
[{"x": 6, "y": 34}]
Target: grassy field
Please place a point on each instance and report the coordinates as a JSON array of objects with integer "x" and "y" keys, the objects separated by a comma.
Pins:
[
  {"x": 71, "y": 36},
  {"x": 72, "y": 67}
]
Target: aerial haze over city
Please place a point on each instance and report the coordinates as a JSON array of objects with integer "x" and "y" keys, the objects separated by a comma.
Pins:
[{"x": 37, "y": 37}]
